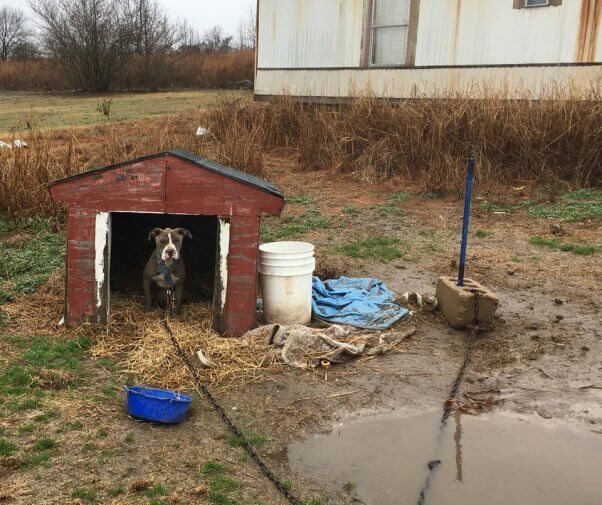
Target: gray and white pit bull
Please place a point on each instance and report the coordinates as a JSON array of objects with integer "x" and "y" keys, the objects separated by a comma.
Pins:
[{"x": 165, "y": 269}]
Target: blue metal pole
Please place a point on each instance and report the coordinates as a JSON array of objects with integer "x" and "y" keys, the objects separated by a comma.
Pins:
[{"x": 467, "y": 199}]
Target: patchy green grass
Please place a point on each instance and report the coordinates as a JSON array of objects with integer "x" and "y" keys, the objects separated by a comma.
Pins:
[
  {"x": 221, "y": 499},
  {"x": 26, "y": 428},
  {"x": 380, "y": 248},
  {"x": 45, "y": 417},
  {"x": 7, "y": 448},
  {"x": 556, "y": 244},
  {"x": 351, "y": 210},
  {"x": 482, "y": 233},
  {"x": 350, "y": 487},
  {"x": 388, "y": 210},
  {"x": 399, "y": 197},
  {"x": 23, "y": 405},
  {"x": 45, "y": 444},
  {"x": 45, "y": 352},
  {"x": 580, "y": 205},
  {"x": 291, "y": 227},
  {"x": 38, "y": 353},
  {"x": 155, "y": 491},
  {"x": 21, "y": 383},
  {"x": 224, "y": 484},
  {"x": 102, "y": 433},
  {"x": 36, "y": 459},
  {"x": 255, "y": 439},
  {"x": 84, "y": 494},
  {"x": 314, "y": 501},
  {"x": 60, "y": 110},
  {"x": 300, "y": 200},
  {"x": 495, "y": 207},
  {"x": 221, "y": 485},
  {"x": 210, "y": 468},
  {"x": 116, "y": 491},
  {"x": 27, "y": 263}
]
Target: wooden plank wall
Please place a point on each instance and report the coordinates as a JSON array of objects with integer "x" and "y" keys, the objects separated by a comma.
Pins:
[
  {"x": 80, "y": 273},
  {"x": 242, "y": 275}
]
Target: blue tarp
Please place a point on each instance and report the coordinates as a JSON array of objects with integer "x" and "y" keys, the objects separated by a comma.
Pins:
[{"x": 361, "y": 302}]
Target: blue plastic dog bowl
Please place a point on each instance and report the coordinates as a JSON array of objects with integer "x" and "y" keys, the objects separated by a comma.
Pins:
[{"x": 157, "y": 405}]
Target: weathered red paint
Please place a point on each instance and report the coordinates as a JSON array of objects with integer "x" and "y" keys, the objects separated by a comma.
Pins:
[
  {"x": 164, "y": 184},
  {"x": 80, "y": 264},
  {"x": 127, "y": 188},
  {"x": 212, "y": 194},
  {"x": 242, "y": 274}
]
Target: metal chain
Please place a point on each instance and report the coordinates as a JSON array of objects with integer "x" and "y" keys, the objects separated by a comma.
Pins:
[
  {"x": 475, "y": 328},
  {"x": 233, "y": 428}
]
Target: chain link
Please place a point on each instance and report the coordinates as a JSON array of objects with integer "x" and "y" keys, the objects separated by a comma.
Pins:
[
  {"x": 475, "y": 328},
  {"x": 253, "y": 454}
]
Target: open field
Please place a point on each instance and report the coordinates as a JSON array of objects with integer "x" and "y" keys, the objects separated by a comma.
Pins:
[{"x": 50, "y": 110}]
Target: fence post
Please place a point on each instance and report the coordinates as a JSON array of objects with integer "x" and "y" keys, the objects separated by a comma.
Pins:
[{"x": 467, "y": 199}]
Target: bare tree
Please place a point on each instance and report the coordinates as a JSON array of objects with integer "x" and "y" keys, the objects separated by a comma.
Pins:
[
  {"x": 246, "y": 29},
  {"x": 13, "y": 31},
  {"x": 189, "y": 38},
  {"x": 91, "y": 39},
  {"x": 214, "y": 41},
  {"x": 25, "y": 50},
  {"x": 154, "y": 36}
]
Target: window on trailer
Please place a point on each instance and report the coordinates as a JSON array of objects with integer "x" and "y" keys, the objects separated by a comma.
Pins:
[
  {"x": 390, "y": 24},
  {"x": 536, "y": 3}
]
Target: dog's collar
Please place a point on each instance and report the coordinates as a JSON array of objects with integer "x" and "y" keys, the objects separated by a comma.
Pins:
[{"x": 166, "y": 271}]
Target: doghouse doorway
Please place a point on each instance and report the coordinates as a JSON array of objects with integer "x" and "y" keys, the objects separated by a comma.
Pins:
[{"x": 127, "y": 250}]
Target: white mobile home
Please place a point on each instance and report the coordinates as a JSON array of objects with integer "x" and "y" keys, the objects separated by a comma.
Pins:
[{"x": 327, "y": 50}]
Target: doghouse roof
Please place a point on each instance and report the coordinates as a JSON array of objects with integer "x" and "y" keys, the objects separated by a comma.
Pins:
[{"x": 170, "y": 182}]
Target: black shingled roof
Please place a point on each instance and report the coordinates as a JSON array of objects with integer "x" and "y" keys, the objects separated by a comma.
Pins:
[{"x": 212, "y": 166}]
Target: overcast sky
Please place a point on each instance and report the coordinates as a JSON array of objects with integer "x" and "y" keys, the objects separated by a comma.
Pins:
[{"x": 201, "y": 14}]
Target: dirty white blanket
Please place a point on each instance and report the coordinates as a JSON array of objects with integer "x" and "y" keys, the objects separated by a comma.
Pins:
[{"x": 305, "y": 347}]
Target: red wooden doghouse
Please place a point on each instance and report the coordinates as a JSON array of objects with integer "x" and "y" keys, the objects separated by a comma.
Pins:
[{"x": 112, "y": 209}]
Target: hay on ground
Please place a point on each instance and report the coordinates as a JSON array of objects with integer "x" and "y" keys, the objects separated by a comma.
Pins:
[{"x": 138, "y": 343}]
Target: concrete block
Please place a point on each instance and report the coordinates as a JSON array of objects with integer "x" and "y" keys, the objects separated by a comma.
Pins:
[{"x": 458, "y": 303}]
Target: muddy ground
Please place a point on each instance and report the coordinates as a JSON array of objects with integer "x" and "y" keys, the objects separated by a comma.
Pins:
[{"x": 541, "y": 356}]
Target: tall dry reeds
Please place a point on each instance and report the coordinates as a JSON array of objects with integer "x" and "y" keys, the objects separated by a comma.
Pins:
[
  {"x": 553, "y": 141},
  {"x": 428, "y": 140},
  {"x": 169, "y": 71},
  {"x": 25, "y": 173},
  {"x": 32, "y": 75}
]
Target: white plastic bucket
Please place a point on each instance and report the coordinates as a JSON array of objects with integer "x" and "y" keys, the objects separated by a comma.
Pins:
[{"x": 286, "y": 270}]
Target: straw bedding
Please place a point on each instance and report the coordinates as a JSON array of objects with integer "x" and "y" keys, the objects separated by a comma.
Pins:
[{"x": 139, "y": 344}]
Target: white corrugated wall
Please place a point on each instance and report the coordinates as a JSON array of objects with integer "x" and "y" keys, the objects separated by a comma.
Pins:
[
  {"x": 306, "y": 34},
  {"x": 310, "y": 33},
  {"x": 491, "y": 32}
]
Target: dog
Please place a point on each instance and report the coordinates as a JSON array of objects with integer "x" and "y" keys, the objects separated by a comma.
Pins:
[{"x": 165, "y": 270}]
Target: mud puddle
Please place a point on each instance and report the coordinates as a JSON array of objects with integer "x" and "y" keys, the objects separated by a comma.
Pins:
[{"x": 495, "y": 458}]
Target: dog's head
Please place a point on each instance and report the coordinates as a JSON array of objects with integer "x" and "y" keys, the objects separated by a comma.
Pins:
[{"x": 169, "y": 241}]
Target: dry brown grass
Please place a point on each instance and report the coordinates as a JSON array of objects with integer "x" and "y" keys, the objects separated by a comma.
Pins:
[
  {"x": 553, "y": 141},
  {"x": 174, "y": 71},
  {"x": 52, "y": 155},
  {"x": 31, "y": 75}
]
